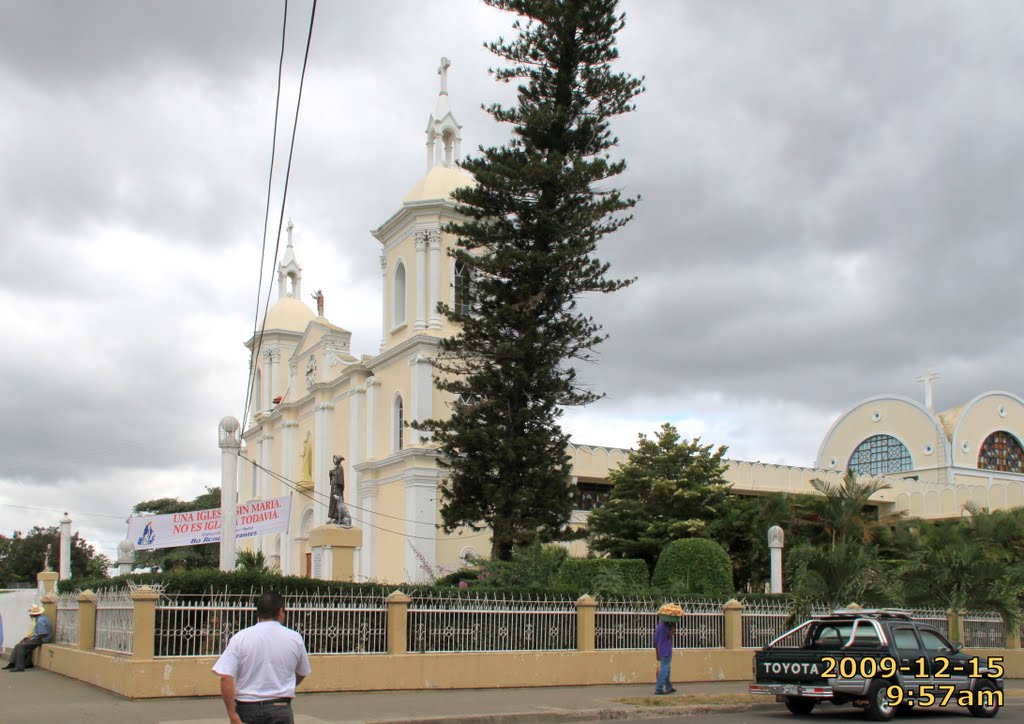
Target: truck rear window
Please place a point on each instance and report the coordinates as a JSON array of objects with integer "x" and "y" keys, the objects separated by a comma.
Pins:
[{"x": 840, "y": 634}]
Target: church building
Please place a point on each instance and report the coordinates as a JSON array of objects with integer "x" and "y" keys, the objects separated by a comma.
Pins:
[{"x": 313, "y": 400}]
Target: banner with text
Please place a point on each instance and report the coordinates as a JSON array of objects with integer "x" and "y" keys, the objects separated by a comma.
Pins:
[{"x": 195, "y": 527}]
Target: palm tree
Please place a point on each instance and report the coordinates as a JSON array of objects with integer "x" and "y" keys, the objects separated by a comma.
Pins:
[
  {"x": 253, "y": 562},
  {"x": 843, "y": 512}
]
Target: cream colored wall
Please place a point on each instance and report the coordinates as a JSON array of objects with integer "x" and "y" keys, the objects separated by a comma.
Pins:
[
  {"x": 394, "y": 378},
  {"x": 899, "y": 418},
  {"x": 980, "y": 419},
  {"x": 390, "y": 534}
]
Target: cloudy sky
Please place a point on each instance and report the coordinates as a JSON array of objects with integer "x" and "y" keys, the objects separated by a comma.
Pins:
[{"x": 832, "y": 197}]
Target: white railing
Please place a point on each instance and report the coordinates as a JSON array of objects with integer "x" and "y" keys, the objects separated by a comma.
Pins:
[
  {"x": 629, "y": 624},
  {"x": 67, "y": 619},
  {"x": 115, "y": 615},
  {"x": 934, "y": 617},
  {"x": 329, "y": 622},
  {"x": 983, "y": 630},
  {"x": 764, "y": 621},
  {"x": 490, "y": 623}
]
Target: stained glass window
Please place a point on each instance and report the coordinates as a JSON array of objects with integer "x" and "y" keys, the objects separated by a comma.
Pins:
[
  {"x": 1001, "y": 451},
  {"x": 881, "y": 455}
]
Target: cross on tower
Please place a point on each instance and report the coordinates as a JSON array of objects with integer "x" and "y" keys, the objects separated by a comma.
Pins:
[
  {"x": 927, "y": 380},
  {"x": 442, "y": 71}
]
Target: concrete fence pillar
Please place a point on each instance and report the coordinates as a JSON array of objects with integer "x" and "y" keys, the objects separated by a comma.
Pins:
[
  {"x": 47, "y": 583},
  {"x": 398, "y": 622},
  {"x": 586, "y": 623},
  {"x": 956, "y": 625},
  {"x": 732, "y": 611},
  {"x": 1011, "y": 637},
  {"x": 49, "y": 604},
  {"x": 143, "y": 622},
  {"x": 86, "y": 620}
]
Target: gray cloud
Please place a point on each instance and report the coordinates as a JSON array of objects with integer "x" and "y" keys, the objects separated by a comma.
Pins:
[{"x": 830, "y": 206}]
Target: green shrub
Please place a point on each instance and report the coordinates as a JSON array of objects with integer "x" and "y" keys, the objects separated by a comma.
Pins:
[
  {"x": 694, "y": 566},
  {"x": 604, "y": 575}
]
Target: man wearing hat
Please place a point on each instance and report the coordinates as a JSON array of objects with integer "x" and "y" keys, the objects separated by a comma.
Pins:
[{"x": 38, "y": 634}]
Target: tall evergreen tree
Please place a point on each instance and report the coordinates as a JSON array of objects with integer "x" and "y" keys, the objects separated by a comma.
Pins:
[
  {"x": 531, "y": 227},
  {"x": 669, "y": 488}
]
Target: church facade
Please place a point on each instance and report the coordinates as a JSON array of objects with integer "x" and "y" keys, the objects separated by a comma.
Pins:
[{"x": 312, "y": 400}]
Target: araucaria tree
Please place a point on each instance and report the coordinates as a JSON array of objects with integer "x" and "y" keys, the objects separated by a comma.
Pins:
[{"x": 530, "y": 231}]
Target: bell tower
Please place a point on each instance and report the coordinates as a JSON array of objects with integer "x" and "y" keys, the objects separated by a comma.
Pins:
[{"x": 444, "y": 134}]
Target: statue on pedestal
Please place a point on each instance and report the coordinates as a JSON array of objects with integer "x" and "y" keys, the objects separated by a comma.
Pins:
[
  {"x": 338, "y": 512},
  {"x": 306, "y": 473}
]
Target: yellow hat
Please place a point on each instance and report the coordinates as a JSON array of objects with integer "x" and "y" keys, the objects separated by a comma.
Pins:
[{"x": 35, "y": 610}]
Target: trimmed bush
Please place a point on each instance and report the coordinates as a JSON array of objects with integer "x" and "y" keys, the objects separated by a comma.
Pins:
[
  {"x": 694, "y": 566},
  {"x": 604, "y": 575}
]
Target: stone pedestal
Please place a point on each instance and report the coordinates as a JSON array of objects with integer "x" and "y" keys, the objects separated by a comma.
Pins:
[{"x": 334, "y": 549}]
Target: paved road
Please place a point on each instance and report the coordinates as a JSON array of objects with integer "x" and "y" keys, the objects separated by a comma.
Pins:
[{"x": 1012, "y": 712}]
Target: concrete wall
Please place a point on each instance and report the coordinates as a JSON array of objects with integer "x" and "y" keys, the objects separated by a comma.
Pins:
[{"x": 14, "y": 612}]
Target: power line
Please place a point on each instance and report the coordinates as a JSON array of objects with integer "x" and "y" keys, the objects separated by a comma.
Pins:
[
  {"x": 304, "y": 491},
  {"x": 266, "y": 213},
  {"x": 284, "y": 199},
  {"x": 58, "y": 511}
]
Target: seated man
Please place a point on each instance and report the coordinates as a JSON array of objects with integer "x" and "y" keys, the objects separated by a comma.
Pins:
[{"x": 38, "y": 634}]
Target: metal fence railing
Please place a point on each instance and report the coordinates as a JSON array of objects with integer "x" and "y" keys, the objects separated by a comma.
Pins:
[
  {"x": 934, "y": 617},
  {"x": 329, "y": 622},
  {"x": 764, "y": 621},
  {"x": 115, "y": 615},
  {"x": 983, "y": 630},
  {"x": 629, "y": 624},
  {"x": 491, "y": 623},
  {"x": 67, "y": 619}
]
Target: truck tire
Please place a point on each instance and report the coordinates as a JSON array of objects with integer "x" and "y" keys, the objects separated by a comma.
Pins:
[
  {"x": 799, "y": 705},
  {"x": 987, "y": 711},
  {"x": 879, "y": 708}
]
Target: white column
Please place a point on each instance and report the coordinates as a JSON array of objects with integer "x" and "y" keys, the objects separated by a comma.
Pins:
[
  {"x": 368, "y": 500},
  {"x": 384, "y": 295},
  {"x": 372, "y": 403},
  {"x": 275, "y": 366},
  {"x": 229, "y": 442},
  {"x": 434, "y": 240},
  {"x": 291, "y": 380},
  {"x": 321, "y": 459},
  {"x": 421, "y": 279},
  {"x": 422, "y": 386},
  {"x": 776, "y": 538},
  {"x": 356, "y": 449},
  {"x": 65, "y": 547},
  {"x": 420, "y": 491},
  {"x": 268, "y": 379},
  {"x": 289, "y": 469}
]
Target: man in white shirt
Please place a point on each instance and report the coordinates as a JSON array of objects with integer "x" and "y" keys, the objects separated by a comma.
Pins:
[{"x": 261, "y": 667}]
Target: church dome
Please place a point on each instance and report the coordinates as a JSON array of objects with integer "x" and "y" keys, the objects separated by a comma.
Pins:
[
  {"x": 289, "y": 314},
  {"x": 438, "y": 184}
]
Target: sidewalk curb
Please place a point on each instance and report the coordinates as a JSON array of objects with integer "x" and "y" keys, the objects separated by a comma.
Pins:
[{"x": 583, "y": 715}]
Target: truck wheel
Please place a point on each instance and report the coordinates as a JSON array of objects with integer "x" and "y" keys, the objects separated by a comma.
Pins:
[
  {"x": 800, "y": 706},
  {"x": 879, "y": 707},
  {"x": 988, "y": 709}
]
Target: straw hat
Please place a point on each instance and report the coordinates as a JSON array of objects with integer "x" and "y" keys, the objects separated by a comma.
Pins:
[{"x": 35, "y": 610}]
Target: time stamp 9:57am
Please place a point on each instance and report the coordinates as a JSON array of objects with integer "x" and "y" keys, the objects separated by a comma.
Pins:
[{"x": 933, "y": 669}]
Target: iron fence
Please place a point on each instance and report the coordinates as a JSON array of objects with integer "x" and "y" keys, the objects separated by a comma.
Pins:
[
  {"x": 934, "y": 617},
  {"x": 67, "y": 619},
  {"x": 629, "y": 624},
  {"x": 764, "y": 621},
  {"x": 490, "y": 623},
  {"x": 330, "y": 622},
  {"x": 983, "y": 630},
  {"x": 115, "y": 616}
]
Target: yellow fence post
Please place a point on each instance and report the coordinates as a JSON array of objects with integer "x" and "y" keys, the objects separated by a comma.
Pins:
[
  {"x": 733, "y": 613},
  {"x": 86, "y": 620},
  {"x": 398, "y": 626},
  {"x": 956, "y": 630},
  {"x": 143, "y": 622},
  {"x": 586, "y": 622}
]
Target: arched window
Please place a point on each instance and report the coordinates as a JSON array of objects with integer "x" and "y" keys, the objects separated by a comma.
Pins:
[
  {"x": 399, "y": 417},
  {"x": 399, "y": 296},
  {"x": 461, "y": 282},
  {"x": 881, "y": 455},
  {"x": 1001, "y": 451}
]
